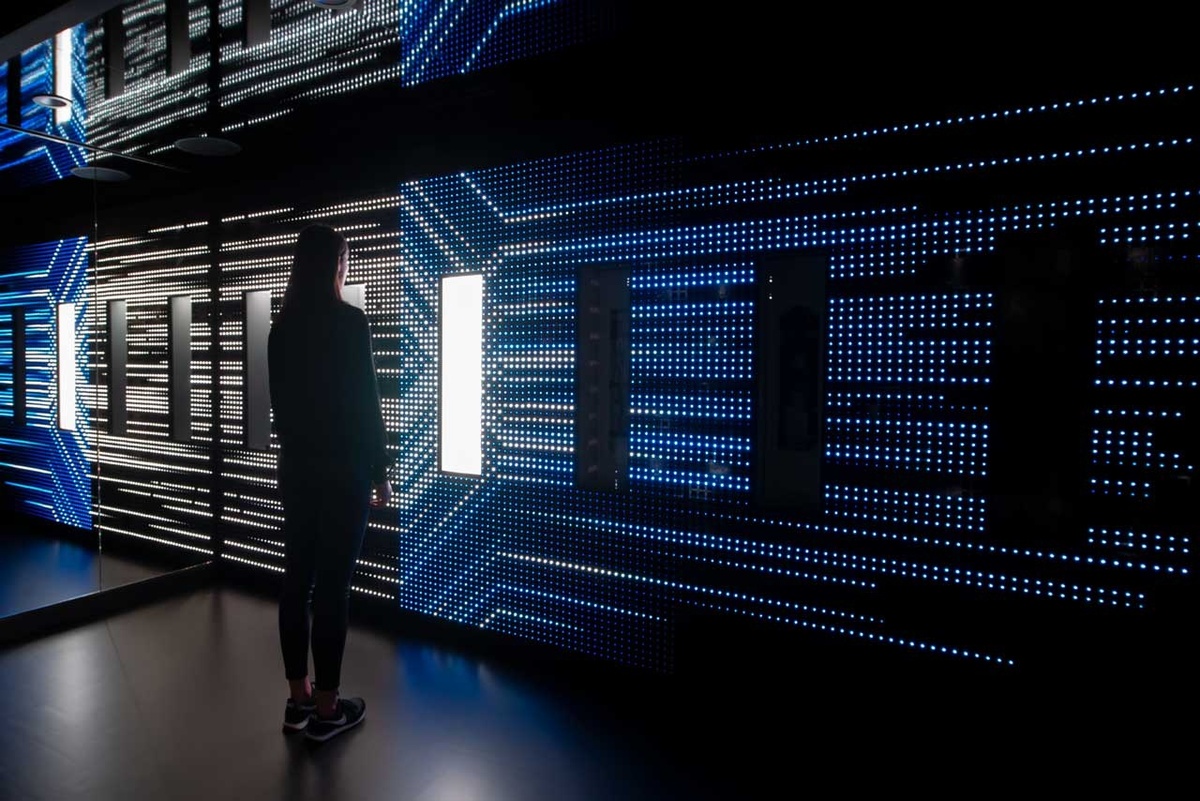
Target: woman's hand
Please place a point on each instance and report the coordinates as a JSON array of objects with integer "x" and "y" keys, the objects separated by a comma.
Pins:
[{"x": 381, "y": 494}]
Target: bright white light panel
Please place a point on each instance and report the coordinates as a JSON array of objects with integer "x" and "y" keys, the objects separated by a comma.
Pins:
[
  {"x": 460, "y": 367},
  {"x": 65, "y": 367}
]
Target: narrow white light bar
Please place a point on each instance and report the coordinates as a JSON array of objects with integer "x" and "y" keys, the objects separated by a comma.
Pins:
[
  {"x": 66, "y": 366},
  {"x": 461, "y": 375},
  {"x": 62, "y": 75},
  {"x": 355, "y": 295}
]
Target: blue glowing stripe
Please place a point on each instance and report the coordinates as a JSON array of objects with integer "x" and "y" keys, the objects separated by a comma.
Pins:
[{"x": 448, "y": 37}]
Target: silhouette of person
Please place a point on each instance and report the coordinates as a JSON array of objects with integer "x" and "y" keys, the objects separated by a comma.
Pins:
[{"x": 332, "y": 471}]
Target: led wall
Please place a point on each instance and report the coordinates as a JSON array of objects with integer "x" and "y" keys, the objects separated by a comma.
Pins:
[
  {"x": 910, "y": 381},
  {"x": 27, "y": 160},
  {"x": 312, "y": 52},
  {"x": 907, "y": 505},
  {"x": 643, "y": 464},
  {"x": 154, "y": 486},
  {"x": 154, "y": 107},
  {"x": 46, "y": 469}
]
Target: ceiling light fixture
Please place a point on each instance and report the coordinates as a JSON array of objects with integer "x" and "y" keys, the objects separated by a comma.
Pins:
[
  {"x": 208, "y": 146},
  {"x": 340, "y": 5},
  {"x": 100, "y": 173},
  {"x": 52, "y": 101}
]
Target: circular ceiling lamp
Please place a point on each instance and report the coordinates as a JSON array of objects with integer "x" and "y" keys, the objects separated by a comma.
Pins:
[
  {"x": 100, "y": 173},
  {"x": 337, "y": 4},
  {"x": 208, "y": 146},
  {"x": 52, "y": 101}
]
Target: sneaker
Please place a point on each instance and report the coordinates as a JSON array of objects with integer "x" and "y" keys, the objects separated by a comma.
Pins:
[
  {"x": 296, "y": 715},
  {"x": 351, "y": 712}
]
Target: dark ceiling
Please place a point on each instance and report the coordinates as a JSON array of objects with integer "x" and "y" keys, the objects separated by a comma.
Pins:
[{"x": 24, "y": 23}]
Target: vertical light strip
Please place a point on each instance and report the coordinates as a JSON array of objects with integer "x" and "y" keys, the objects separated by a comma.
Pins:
[
  {"x": 118, "y": 367},
  {"x": 179, "y": 367},
  {"x": 355, "y": 295},
  {"x": 256, "y": 384},
  {"x": 66, "y": 366},
  {"x": 62, "y": 75},
  {"x": 461, "y": 380}
]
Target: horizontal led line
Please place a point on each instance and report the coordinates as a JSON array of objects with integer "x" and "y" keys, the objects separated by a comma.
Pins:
[
  {"x": 883, "y": 638},
  {"x": 108, "y": 529},
  {"x": 779, "y": 571},
  {"x": 970, "y": 118}
]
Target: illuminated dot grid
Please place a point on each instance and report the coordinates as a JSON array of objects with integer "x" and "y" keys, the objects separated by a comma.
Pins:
[
  {"x": 450, "y": 41},
  {"x": 37, "y": 77},
  {"x": 145, "y": 41},
  {"x": 905, "y": 507},
  {"x": 481, "y": 551},
  {"x": 312, "y": 53},
  {"x": 987, "y": 579},
  {"x": 152, "y": 489},
  {"x": 565, "y": 229},
  {"x": 571, "y": 580},
  {"x": 691, "y": 379},
  {"x": 530, "y": 375},
  {"x": 1171, "y": 552},
  {"x": 907, "y": 245},
  {"x": 470, "y": 549},
  {"x": 1146, "y": 352},
  {"x": 34, "y": 161},
  {"x": 922, "y": 339},
  {"x": 532, "y": 297},
  {"x": 155, "y": 108},
  {"x": 315, "y": 52},
  {"x": 47, "y": 470},
  {"x": 1142, "y": 98},
  {"x": 916, "y": 341}
]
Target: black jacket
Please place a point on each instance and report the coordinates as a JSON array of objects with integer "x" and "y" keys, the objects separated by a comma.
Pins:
[{"x": 324, "y": 392}]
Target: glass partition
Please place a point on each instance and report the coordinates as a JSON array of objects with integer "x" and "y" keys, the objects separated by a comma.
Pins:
[{"x": 94, "y": 492}]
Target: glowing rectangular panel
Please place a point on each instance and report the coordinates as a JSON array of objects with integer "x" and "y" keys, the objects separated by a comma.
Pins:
[
  {"x": 257, "y": 387},
  {"x": 461, "y": 375},
  {"x": 62, "y": 75},
  {"x": 355, "y": 295},
  {"x": 118, "y": 362},
  {"x": 66, "y": 366},
  {"x": 179, "y": 328}
]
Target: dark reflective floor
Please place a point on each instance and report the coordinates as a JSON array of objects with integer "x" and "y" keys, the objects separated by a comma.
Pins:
[
  {"x": 183, "y": 699},
  {"x": 37, "y": 570}
]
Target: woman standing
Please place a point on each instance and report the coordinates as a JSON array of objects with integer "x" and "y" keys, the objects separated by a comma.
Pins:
[{"x": 332, "y": 470}]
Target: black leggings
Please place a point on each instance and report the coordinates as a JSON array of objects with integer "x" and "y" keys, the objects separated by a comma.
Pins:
[{"x": 325, "y": 518}]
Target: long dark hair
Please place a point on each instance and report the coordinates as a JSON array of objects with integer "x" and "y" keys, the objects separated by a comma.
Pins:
[{"x": 313, "y": 279}]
